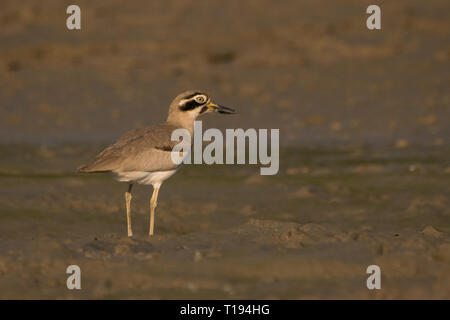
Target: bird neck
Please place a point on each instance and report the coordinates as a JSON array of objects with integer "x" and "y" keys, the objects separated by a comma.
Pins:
[{"x": 181, "y": 120}]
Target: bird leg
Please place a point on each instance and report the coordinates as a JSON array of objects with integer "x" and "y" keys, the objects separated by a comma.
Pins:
[
  {"x": 128, "y": 205},
  {"x": 153, "y": 204}
]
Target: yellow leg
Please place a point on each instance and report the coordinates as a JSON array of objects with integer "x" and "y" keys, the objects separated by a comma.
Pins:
[
  {"x": 128, "y": 205},
  {"x": 153, "y": 204}
]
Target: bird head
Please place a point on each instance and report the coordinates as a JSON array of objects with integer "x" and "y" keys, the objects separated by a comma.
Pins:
[{"x": 194, "y": 103}]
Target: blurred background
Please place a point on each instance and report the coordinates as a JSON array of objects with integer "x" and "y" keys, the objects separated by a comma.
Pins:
[{"x": 364, "y": 123}]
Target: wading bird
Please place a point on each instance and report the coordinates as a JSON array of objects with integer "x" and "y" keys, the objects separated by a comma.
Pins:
[{"x": 143, "y": 155}]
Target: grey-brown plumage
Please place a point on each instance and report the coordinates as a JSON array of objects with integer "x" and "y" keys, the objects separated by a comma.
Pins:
[
  {"x": 144, "y": 155},
  {"x": 146, "y": 149}
]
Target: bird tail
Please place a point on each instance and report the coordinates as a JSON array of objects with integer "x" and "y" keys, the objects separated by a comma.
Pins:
[
  {"x": 92, "y": 168},
  {"x": 83, "y": 168}
]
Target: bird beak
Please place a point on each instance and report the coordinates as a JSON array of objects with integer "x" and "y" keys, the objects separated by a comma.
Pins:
[{"x": 220, "y": 109}]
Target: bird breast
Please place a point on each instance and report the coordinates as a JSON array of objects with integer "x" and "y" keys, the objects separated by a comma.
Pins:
[{"x": 155, "y": 178}]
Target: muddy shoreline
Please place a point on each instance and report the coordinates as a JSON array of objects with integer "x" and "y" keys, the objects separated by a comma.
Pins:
[
  {"x": 364, "y": 150},
  {"x": 317, "y": 225}
]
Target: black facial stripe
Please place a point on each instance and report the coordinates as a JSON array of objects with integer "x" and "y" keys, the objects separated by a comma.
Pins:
[
  {"x": 192, "y": 95},
  {"x": 190, "y": 105},
  {"x": 204, "y": 109}
]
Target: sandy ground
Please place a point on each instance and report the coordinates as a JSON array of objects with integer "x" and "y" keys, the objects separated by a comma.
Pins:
[{"x": 364, "y": 165}]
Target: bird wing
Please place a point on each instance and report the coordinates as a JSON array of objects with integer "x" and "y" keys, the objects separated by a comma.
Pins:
[{"x": 146, "y": 149}]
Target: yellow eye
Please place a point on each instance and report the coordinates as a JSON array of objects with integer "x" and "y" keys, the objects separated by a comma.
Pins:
[{"x": 200, "y": 99}]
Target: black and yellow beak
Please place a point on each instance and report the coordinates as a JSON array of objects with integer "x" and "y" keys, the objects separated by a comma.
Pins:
[{"x": 220, "y": 109}]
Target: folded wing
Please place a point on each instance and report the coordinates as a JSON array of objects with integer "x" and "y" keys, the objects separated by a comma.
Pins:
[{"x": 146, "y": 149}]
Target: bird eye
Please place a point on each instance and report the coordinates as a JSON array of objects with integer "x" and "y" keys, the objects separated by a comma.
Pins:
[{"x": 200, "y": 99}]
